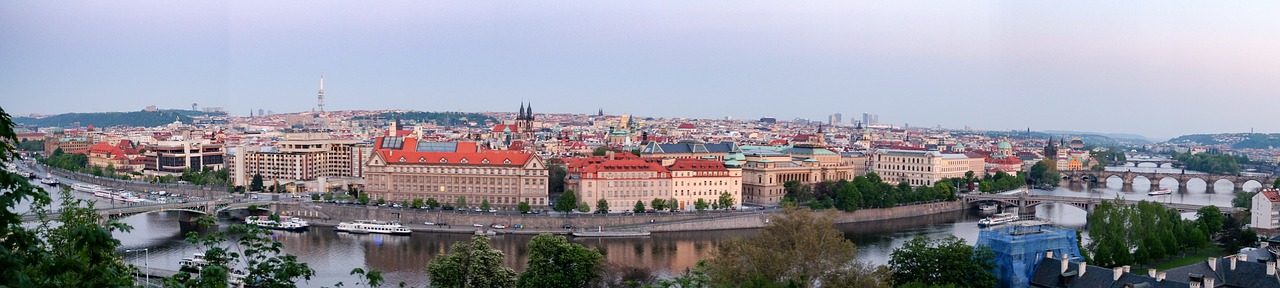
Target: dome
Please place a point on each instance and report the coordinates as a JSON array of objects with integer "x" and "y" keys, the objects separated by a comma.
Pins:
[
  {"x": 1077, "y": 141},
  {"x": 1004, "y": 145}
]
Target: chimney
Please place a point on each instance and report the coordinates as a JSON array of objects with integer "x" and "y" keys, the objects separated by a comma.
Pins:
[
  {"x": 1208, "y": 282},
  {"x": 1151, "y": 272},
  {"x": 1083, "y": 265},
  {"x": 1244, "y": 257},
  {"x": 1064, "y": 265},
  {"x": 1048, "y": 254},
  {"x": 1116, "y": 272},
  {"x": 1233, "y": 263},
  {"x": 1160, "y": 276},
  {"x": 1126, "y": 268},
  {"x": 1271, "y": 268},
  {"x": 1213, "y": 264}
]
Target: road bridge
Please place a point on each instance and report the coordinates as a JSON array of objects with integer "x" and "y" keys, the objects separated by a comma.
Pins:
[
  {"x": 1155, "y": 177},
  {"x": 1084, "y": 203},
  {"x": 208, "y": 207}
]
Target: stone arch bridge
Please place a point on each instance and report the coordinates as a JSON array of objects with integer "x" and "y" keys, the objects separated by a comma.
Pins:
[
  {"x": 1086, "y": 204},
  {"x": 1154, "y": 177},
  {"x": 211, "y": 207}
]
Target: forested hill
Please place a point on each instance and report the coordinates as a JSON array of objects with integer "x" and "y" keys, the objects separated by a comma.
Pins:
[
  {"x": 440, "y": 118},
  {"x": 107, "y": 119},
  {"x": 1235, "y": 140}
]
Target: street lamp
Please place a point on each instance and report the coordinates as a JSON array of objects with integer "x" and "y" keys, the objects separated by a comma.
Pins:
[{"x": 145, "y": 263}]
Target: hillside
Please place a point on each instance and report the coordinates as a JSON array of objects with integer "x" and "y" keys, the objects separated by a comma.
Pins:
[
  {"x": 107, "y": 119},
  {"x": 440, "y": 118},
  {"x": 1092, "y": 139},
  {"x": 1235, "y": 140}
]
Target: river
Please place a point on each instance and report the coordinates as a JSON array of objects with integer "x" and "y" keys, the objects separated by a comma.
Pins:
[{"x": 404, "y": 258}]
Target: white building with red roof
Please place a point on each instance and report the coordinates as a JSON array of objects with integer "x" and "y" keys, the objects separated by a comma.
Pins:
[{"x": 1266, "y": 209}]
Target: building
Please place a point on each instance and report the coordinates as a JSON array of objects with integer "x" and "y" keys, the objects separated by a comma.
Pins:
[
  {"x": 622, "y": 179},
  {"x": 68, "y": 144},
  {"x": 923, "y": 168},
  {"x": 175, "y": 156},
  {"x": 1266, "y": 209},
  {"x": 1238, "y": 270},
  {"x": 404, "y": 168},
  {"x": 765, "y": 170},
  {"x": 689, "y": 149},
  {"x": 1019, "y": 246},
  {"x": 120, "y": 156},
  {"x": 297, "y": 157}
]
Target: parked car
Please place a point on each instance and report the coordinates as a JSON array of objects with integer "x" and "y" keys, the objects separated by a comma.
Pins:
[
  {"x": 567, "y": 226},
  {"x": 428, "y": 223},
  {"x": 477, "y": 225},
  {"x": 498, "y": 226},
  {"x": 442, "y": 224},
  {"x": 491, "y": 210}
]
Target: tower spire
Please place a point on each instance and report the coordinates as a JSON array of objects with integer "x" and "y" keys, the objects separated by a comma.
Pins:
[{"x": 320, "y": 95}]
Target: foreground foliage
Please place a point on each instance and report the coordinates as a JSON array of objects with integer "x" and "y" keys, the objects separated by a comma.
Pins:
[
  {"x": 796, "y": 248},
  {"x": 947, "y": 262}
]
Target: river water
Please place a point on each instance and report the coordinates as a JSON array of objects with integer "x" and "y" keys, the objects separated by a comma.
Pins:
[{"x": 404, "y": 258}]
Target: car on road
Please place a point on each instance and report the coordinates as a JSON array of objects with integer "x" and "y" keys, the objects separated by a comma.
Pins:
[
  {"x": 491, "y": 210},
  {"x": 498, "y": 226},
  {"x": 567, "y": 226},
  {"x": 477, "y": 225},
  {"x": 429, "y": 223},
  {"x": 442, "y": 224},
  {"x": 477, "y": 209}
]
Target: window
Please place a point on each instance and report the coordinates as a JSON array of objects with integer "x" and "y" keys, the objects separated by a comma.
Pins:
[{"x": 442, "y": 160}]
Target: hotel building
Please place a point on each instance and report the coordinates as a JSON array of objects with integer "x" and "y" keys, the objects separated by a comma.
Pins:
[
  {"x": 404, "y": 169},
  {"x": 923, "y": 168}
]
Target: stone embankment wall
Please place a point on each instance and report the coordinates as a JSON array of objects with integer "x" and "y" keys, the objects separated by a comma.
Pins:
[
  {"x": 684, "y": 221},
  {"x": 207, "y": 192}
]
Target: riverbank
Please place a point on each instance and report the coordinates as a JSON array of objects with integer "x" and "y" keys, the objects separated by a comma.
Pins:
[{"x": 461, "y": 221}]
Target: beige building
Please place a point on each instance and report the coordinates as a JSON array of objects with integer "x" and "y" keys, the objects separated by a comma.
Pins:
[
  {"x": 1266, "y": 209},
  {"x": 297, "y": 157},
  {"x": 923, "y": 168},
  {"x": 404, "y": 169},
  {"x": 767, "y": 169},
  {"x": 694, "y": 179}
]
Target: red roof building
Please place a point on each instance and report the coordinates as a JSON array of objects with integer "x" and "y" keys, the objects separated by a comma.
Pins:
[{"x": 454, "y": 173}]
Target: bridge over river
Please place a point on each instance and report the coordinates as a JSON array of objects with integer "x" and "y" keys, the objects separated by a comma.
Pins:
[
  {"x": 208, "y": 207},
  {"x": 1086, "y": 204},
  {"x": 1155, "y": 177}
]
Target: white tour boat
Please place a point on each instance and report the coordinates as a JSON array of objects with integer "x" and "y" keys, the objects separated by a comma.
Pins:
[
  {"x": 285, "y": 223},
  {"x": 372, "y": 226},
  {"x": 1159, "y": 192},
  {"x": 999, "y": 218}
]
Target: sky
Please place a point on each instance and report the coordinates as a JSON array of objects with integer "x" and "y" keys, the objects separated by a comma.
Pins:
[{"x": 1158, "y": 69}]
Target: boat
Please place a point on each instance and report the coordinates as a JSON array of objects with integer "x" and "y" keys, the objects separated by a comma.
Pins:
[
  {"x": 372, "y": 226},
  {"x": 285, "y": 223},
  {"x": 602, "y": 233},
  {"x": 49, "y": 181},
  {"x": 988, "y": 207},
  {"x": 1159, "y": 192},
  {"x": 999, "y": 218},
  {"x": 196, "y": 262},
  {"x": 87, "y": 188}
]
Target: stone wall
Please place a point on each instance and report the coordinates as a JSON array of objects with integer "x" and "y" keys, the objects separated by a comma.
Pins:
[{"x": 331, "y": 214}]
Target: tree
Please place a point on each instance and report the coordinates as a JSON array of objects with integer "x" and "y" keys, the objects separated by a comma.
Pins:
[
  {"x": 700, "y": 204},
  {"x": 554, "y": 262},
  {"x": 673, "y": 204},
  {"x": 523, "y": 207},
  {"x": 726, "y": 200},
  {"x": 584, "y": 208},
  {"x": 461, "y": 202},
  {"x": 363, "y": 199},
  {"x": 405, "y": 203},
  {"x": 658, "y": 204},
  {"x": 798, "y": 248},
  {"x": 265, "y": 263},
  {"x": 432, "y": 203},
  {"x": 78, "y": 252},
  {"x": 602, "y": 206},
  {"x": 1242, "y": 199},
  {"x": 1276, "y": 185},
  {"x": 797, "y": 192},
  {"x": 275, "y": 187},
  {"x": 1045, "y": 172},
  {"x": 945, "y": 261},
  {"x": 471, "y": 264},
  {"x": 315, "y": 197},
  {"x": 639, "y": 207},
  {"x": 555, "y": 179},
  {"x": 484, "y": 204},
  {"x": 566, "y": 202},
  {"x": 600, "y": 151},
  {"x": 1209, "y": 219},
  {"x": 417, "y": 203},
  {"x": 381, "y": 201}
]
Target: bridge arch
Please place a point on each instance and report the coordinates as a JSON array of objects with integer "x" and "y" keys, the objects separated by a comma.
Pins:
[{"x": 1082, "y": 207}]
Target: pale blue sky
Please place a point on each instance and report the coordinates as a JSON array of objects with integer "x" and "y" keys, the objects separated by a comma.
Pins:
[{"x": 1158, "y": 68}]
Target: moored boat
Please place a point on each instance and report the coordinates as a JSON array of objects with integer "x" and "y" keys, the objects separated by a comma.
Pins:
[
  {"x": 1159, "y": 192},
  {"x": 999, "y": 218},
  {"x": 285, "y": 223},
  {"x": 610, "y": 233},
  {"x": 373, "y": 226},
  {"x": 49, "y": 181}
]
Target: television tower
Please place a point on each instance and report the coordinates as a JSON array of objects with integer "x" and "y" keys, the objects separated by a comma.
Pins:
[{"x": 320, "y": 95}]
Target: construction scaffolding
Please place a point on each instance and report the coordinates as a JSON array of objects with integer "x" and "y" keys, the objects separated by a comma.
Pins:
[{"x": 1020, "y": 246}]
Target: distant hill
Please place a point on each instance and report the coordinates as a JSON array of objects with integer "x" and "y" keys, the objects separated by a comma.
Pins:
[
  {"x": 1235, "y": 140},
  {"x": 440, "y": 118},
  {"x": 108, "y": 119},
  {"x": 1120, "y": 138}
]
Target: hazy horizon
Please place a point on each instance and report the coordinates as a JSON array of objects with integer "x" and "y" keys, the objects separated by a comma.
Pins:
[{"x": 1156, "y": 69}]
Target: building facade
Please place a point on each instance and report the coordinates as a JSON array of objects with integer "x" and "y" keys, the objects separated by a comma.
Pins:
[
  {"x": 299, "y": 156},
  {"x": 622, "y": 179},
  {"x": 1266, "y": 209},
  {"x": 176, "y": 156},
  {"x": 923, "y": 168},
  {"x": 454, "y": 173}
]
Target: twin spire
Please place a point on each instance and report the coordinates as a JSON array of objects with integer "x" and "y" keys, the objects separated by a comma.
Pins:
[{"x": 525, "y": 112}]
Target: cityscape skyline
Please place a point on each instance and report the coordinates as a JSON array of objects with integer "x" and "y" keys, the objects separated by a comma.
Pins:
[{"x": 1098, "y": 67}]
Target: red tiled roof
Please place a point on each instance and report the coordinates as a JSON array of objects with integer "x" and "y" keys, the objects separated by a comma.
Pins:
[
  {"x": 467, "y": 151},
  {"x": 686, "y": 126},
  {"x": 697, "y": 165},
  {"x": 499, "y": 127},
  {"x": 1272, "y": 195}
]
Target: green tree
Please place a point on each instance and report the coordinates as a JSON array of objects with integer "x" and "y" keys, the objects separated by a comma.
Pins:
[
  {"x": 673, "y": 204},
  {"x": 847, "y": 196},
  {"x": 1276, "y": 185},
  {"x": 266, "y": 265},
  {"x": 1209, "y": 219},
  {"x": 555, "y": 179},
  {"x": 1045, "y": 172},
  {"x": 554, "y": 262},
  {"x": 639, "y": 207},
  {"x": 484, "y": 204},
  {"x": 796, "y": 248},
  {"x": 1242, "y": 199},
  {"x": 381, "y": 201},
  {"x": 471, "y": 264},
  {"x": 798, "y": 192},
  {"x": 726, "y": 200},
  {"x": 405, "y": 203},
  {"x": 658, "y": 204},
  {"x": 584, "y": 208},
  {"x": 363, "y": 199},
  {"x": 432, "y": 203},
  {"x": 566, "y": 202},
  {"x": 600, "y": 151},
  {"x": 315, "y": 197},
  {"x": 461, "y": 202},
  {"x": 701, "y": 204},
  {"x": 946, "y": 261},
  {"x": 524, "y": 207},
  {"x": 417, "y": 203},
  {"x": 602, "y": 206}
]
